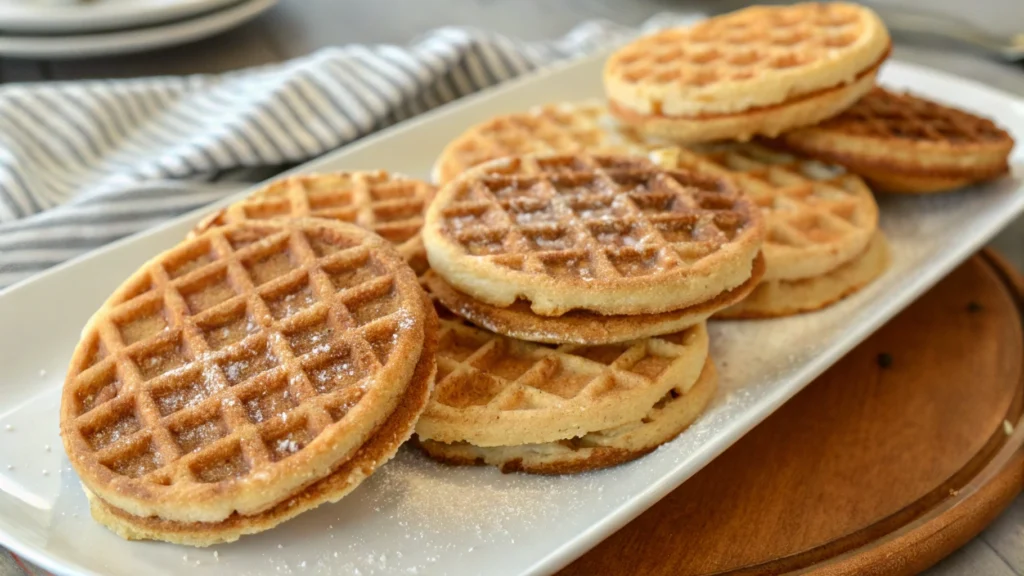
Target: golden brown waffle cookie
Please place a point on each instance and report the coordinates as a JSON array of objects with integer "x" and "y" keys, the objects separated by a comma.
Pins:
[
  {"x": 552, "y": 128},
  {"x": 608, "y": 234},
  {"x": 666, "y": 420},
  {"x": 241, "y": 366},
  {"x": 497, "y": 391},
  {"x": 817, "y": 216},
  {"x": 761, "y": 70},
  {"x": 903, "y": 143},
  {"x": 391, "y": 205},
  {"x": 377, "y": 451},
  {"x": 578, "y": 326},
  {"x": 787, "y": 297}
]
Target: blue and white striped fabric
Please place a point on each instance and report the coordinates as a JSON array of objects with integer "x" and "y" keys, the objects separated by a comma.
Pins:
[{"x": 85, "y": 163}]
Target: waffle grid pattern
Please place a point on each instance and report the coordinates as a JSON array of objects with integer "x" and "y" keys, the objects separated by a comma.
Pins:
[
  {"x": 391, "y": 205},
  {"x": 233, "y": 354},
  {"x": 809, "y": 207},
  {"x": 553, "y": 128},
  {"x": 884, "y": 114},
  {"x": 742, "y": 50},
  {"x": 737, "y": 48},
  {"x": 504, "y": 391},
  {"x": 606, "y": 221}
]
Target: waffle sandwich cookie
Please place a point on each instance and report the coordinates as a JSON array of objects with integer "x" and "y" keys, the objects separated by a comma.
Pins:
[
  {"x": 254, "y": 371},
  {"x": 904, "y": 143},
  {"x": 608, "y": 235},
  {"x": 528, "y": 407},
  {"x": 758, "y": 71}
]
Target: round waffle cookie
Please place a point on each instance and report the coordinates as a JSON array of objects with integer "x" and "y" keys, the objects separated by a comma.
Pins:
[
  {"x": 240, "y": 367},
  {"x": 817, "y": 216},
  {"x": 672, "y": 414},
  {"x": 580, "y": 326},
  {"x": 498, "y": 391},
  {"x": 903, "y": 143},
  {"x": 787, "y": 297},
  {"x": 608, "y": 234},
  {"x": 378, "y": 450},
  {"x": 761, "y": 70},
  {"x": 552, "y": 128},
  {"x": 391, "y": 205}
]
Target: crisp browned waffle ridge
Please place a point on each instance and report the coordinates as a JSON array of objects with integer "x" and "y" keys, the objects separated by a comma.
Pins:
[
  {"x": 234, "y": 371},
  {"x": 760, "y": 70},
  {"x": 607, "y": 234},
  {"x": 389, "y": 204},
  {"x": 904, "y": 143}
]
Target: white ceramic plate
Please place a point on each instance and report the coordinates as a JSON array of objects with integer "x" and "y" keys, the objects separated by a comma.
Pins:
[
  {"x": 416, "y": 517},
  {"x": 132, "y": 40},
  {"x": 76, "y": 16}
]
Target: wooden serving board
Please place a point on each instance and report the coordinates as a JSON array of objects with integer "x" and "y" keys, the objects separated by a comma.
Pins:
[{"x": 891, "y": 460}]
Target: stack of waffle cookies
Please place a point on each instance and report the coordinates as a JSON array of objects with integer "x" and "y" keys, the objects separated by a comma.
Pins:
[
  {"x": 541, "y": 307},
  {"x": 782, "y": 103},
  {"x": 574, "y": 290}
]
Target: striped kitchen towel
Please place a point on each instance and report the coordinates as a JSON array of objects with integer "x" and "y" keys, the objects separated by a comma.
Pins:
[{"x": 85, "y": 163}]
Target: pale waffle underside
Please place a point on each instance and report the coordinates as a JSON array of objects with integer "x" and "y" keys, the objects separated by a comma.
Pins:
[
  {"x": 757, "y": 57},
  {"x": 243, "y": 364},
  {"x": 666, "y": 420},
  {"x": 391, "y": 205},
  {"x": 496, "y": 391},
  {"x": 890, "y": 138},
  {"x": 817, "y": 216},
  {"x": 609, "y": 234}
]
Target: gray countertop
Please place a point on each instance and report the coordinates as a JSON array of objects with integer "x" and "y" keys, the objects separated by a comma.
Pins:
[{"x": 296, "y": 27}]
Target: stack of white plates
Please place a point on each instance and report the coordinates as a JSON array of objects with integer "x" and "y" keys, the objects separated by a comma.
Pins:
[{"x": 87, "y": 28}]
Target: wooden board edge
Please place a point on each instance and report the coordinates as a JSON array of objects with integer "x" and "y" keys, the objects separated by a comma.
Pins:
[{"x": 955, "y": 522}]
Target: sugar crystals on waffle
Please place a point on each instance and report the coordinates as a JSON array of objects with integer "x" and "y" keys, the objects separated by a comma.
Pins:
[
  {"x": 761, "y": 70},
  {"x": 235, "y": 370},
  {"x": 904, "y": 143},
  {"x": 608, "y": 234},
  {"x": 389, "y": 204}
]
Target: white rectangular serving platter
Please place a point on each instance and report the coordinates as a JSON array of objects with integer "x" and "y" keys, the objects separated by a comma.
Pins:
[{"x": 417, "y": 517}]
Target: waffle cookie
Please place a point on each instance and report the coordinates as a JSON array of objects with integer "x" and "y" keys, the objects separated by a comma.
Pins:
[
  {"x": 672, "y": 414},
  {"x": 498, "y": 391},
  {"x": 238, "y": 369},
  {"x": 378, "y": 450},
  {"x": 903, "y": 143},
  {"x": 607, "y": 234},
  {"x": 775, "y": 298},
  {"x": 558, "y": 128},
  {"x": 391, "y": 205},
  {"x": 761, "y": 70}
]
